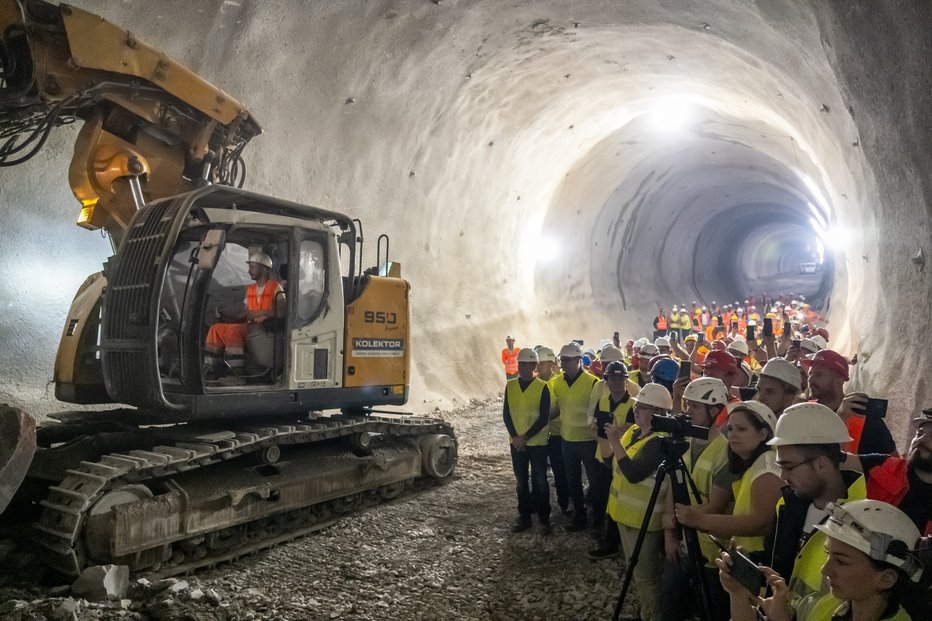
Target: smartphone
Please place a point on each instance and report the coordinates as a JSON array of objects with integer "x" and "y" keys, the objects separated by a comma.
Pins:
[
  {"x": 602, "y": 419},
  {"x": 579, "y": 342},
  {"x": 876, "y": 408},
  {"x": 747, "y": 393},
  {"x": 685, "y": 369},
  {"x": 734, "y": 326},
  {"x": 787, "y": 328},
  {"x": 673, "y": 335},
  {"x": 721, "y": 321},
  {"x": 768, "y": 326},
  {"x": 750, "y": 332},
  {"x": 743, "y": 569}
]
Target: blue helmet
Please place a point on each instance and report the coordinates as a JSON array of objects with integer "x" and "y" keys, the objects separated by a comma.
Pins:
[{"x": 665, "y": 370}]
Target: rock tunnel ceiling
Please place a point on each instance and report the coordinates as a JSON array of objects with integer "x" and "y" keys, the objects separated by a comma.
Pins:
[{"x": 540, "y": 162}]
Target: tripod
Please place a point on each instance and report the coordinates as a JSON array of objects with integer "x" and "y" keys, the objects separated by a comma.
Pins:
[{"x": 673, "y": 449}]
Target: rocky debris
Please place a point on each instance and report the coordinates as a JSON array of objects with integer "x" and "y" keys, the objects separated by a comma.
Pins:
[
  {"x": 444, "y": 553},
  {"x": 102, "y": 582}
]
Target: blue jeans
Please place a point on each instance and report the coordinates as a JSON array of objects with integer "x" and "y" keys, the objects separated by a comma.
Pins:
[{"x": 533, "y": 498}]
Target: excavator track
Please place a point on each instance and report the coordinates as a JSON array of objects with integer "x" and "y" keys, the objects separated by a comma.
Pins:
[{"x": 107, "y": 509}]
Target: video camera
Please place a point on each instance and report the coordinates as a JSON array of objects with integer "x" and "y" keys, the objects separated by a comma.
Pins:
[{"x": 679, "y": 426}]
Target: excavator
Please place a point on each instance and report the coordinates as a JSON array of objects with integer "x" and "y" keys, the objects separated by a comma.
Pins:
[{"x": 184, "y": 464}]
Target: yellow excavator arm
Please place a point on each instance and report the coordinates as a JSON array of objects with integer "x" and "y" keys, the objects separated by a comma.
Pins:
[{"x": 151, "y": 127}]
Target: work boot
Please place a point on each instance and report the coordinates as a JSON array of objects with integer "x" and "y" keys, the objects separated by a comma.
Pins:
[
  {"x": 579, "y": 523},
  {"x": 544, "y": 529},
  {"x": 521, "y": 524}
]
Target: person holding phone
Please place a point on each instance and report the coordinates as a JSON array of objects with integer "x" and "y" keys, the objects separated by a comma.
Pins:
[
  {"x": 610, "y": 405},
  {"x": 869, "y": 560},
  {"x": 757, "y": 487}
]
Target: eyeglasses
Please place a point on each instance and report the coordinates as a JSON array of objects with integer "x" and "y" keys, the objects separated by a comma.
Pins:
[{"x": 786, "y": 468}]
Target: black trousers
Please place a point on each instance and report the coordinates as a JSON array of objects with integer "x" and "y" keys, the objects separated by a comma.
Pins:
[
  {"x": 576, "y": 457},
  {"x": 555, "y": 455},
  {"x": 533, "y": 497}
]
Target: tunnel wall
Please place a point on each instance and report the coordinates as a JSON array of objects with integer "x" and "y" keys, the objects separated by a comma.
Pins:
[{"x": 499, "y": 147}]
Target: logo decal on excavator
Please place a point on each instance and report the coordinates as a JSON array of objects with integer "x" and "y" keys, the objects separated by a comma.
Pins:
[{"x": 378, "y": 348}]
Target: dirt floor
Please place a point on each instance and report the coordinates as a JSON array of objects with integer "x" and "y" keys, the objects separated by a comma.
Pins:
[{"x": 446, "y": 553}]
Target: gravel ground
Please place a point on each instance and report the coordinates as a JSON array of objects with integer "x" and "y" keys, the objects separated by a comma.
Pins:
[{"x": 446, "y": 553}]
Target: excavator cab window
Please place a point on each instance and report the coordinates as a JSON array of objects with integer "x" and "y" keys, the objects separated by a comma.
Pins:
[{"x": 312, "y": 281}]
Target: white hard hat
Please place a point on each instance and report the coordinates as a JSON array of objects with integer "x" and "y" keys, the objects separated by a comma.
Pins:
[
  {"x": 527, "y": 355},
  {"x": 675, "y": 308},
  {"x": 739, "y": 310},
  {"x": 261, "y": 258},
  {"x": 708, "y": 390},
  {"x": 809, "y": 345},
  {"x": 705, "y": 308},
  {"x": 809, "y": 423},
  {"x": 641, "y": 342},
  {"x": 610, "y": 353},
  {"x": 747, "y": 371},
  {"x": 649, "y": 349},
  {"x": 873, "y": 527},
  {"x": 760, "y": 411},
  {"x": 819, "y": 341},
  {"x": 662, "y": 341},
  {"x": 545, "y": 354},
  {"x": 655, "y": 395},
  {"x": 783, "y": 370},
  {"x": 740, "y": 346},
  {"x": 571, "y": 350}
]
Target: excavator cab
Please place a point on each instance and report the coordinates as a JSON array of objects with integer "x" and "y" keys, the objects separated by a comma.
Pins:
[{"x": 181, "y": 278}]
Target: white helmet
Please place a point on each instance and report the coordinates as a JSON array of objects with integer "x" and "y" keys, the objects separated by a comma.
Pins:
[
  {"x": 527, "y": 355},
  {"x": 809, "y": 423},
  {"x": 656, "y": 396},
  {"x": 662, "y": 341},
  {"x": 708, "y": 390},
  {"x": 641, "y": 342},
  {"x": 783, "y": 370},
  {"x": 740, "y": 346},
  {"x": 760, "y": 411},
  {"x": 739, "y": 310},
  {"x": 545, "y": 354},
  {"x": 649, "y": 349},
  {"x": 872, "y": 527},
  {"x": 809, "y": 345},
  {"x": 819, "y": 341},
  {"x": 610, "y": 353},
  {"x": 261, "y": 258},
  {"x": 676, "y": 308},
  {"x": 571, "y": 350}
]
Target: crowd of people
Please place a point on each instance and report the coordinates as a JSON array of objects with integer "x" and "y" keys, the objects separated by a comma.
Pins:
[{"x": 797, "y": 476}]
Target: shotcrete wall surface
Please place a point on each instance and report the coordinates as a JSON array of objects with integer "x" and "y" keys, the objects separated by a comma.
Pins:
[{"x": 553, "y": 169}]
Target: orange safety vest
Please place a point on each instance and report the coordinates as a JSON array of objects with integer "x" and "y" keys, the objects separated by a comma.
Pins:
[
  {"x": 855, "y": 425},
  {"x": 661, "y": 322},
  {"x": 510, "y": 359},
  {"x": 255, "y": 302}
]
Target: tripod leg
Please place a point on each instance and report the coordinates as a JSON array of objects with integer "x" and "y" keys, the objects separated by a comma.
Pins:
[{"x": 633, "y": 559}]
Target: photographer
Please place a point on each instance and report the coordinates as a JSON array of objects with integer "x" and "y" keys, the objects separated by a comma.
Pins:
[
  {"x": 705, "y": 459},
  {"x": 637, "y": 455}
]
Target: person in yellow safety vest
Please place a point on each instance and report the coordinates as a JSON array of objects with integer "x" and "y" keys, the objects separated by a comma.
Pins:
[
  {"x": 739, "y": 349},
  {"x": 754, "y": 316},
  {"x": 869, "y": 558},
  {"x": 757, "y": 488},
  {"x": 571, "y": 392},
  {"x": 547, "y": 371},
  {"x": 675, "y": 319},
  {"x": 808, "y": 442},
  {"x": 610, "y": 404},
  {"x": 637, "y": 453},
  {"x": 510, "y": 358},
  {"x": 779, "y": 385},
  {"x": 526, "y": 413},
  {"x": 706, "y": 460}
]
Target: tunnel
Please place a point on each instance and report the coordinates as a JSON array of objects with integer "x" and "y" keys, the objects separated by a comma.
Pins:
[{"x": 555, "y": 170}]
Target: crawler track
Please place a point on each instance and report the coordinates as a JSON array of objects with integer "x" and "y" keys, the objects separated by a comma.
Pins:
[{"x": 75, "y": 503}]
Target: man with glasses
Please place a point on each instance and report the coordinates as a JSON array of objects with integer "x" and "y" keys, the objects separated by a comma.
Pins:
[{"x": 808, "y": 440}]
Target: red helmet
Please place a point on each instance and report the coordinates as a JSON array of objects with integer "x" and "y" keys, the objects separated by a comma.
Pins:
[
  {"x": 821, "y": 332},
  {"x": 718, "y": 345},
  {"x": 828, "y": 359},
  {"x": 720, "y": 360}
]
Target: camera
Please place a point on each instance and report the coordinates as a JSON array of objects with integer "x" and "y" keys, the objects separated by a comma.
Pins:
[{"x": 679, "y": 426}]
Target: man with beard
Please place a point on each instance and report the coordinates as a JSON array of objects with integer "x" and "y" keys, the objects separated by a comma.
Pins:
[
  {"x": 828, "y": 372},
  {"x": 904, "y": 483}
]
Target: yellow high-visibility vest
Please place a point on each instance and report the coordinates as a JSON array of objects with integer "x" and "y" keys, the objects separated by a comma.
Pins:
[
  {"x": 627, "y": 502},
  {"x": 573, "y": 402},
  {"x": 524, "y": 407},
  {"x": 710, "y": 461}
]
